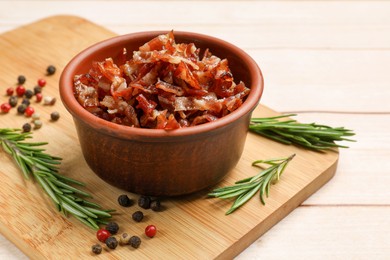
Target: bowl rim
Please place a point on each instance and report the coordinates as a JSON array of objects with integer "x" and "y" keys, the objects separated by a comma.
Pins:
[{"x": 79, "y": 112}]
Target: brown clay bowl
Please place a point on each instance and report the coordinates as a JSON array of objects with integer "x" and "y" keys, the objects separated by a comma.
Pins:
[{"x": 159, "y": 162}]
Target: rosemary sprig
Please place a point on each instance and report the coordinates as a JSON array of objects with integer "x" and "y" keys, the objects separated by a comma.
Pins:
[
  {"x": 33, "y": 161},
  {"x": 245, "y": 189},
  {"x": 311, "y": 136}
]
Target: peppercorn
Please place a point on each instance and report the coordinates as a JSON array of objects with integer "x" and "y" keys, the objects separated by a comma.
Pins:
[
  {"x": 144, "y": 202},
  {"x": 97, "y": 249},
  {"x": 124, "y": 201},
  {"x": 102, "y": 235},
  {"x": 51, "y": 70},
  {"x": 29, "y": 111},
  {"x": 137, "y": 216},
  {"x": 37, "y": 89},
  {"x": 37, "y": 123},
  {"x": 155, "y": 205},
  {"x": 5, "y": 107},
  {"x": 21, "y": 79},
  {"x": 26, "y": 127},
  {"x": 36, "y": 116},
  {"x": 49, "y": 100},
  {"x": 10, "y": 91},
  {"x": 135, "y": 241},
  {"x": 41, "y": 82},
  {"x": 29, "y": 93},
  {"x": 112, "y": 227},
  {"x": 124, "y": 239},
  {"x": 13, "y": 101},
  {"x": 20, "y": 90},
  {"x": 111, "y": 242},
  {"x": 150, "y": 231},
  {"x": 26, "y": 101},
  {"x": 38, "y": 97},
  {"x": 21, "y": 108},
  {"x": 55, "y": 116}
]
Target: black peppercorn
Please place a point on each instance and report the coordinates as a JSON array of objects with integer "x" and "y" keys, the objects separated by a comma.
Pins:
[
  {"x": 37, "y": 89},
  {"x": 155, "y": 205},
  {"x": 21, "y": 108},
  {"x": 112, "y": 227},
  {"x": 111, "y": 242},
  {"x": 97, "y": 249},
  {"x": 26, "y": 101},
  {"x": 26, "y": 127},
  {"x": 135, "y": 241},
  {"x": 21, "y": 79},
  {"x": 144, "y": 202},
  {"x": 137, "y": 216},
  {"x": 29, "y": 93},
  {"x": 13, "y": 101},
  {"x": 55, "y": 116},
  {"x": 51, "y": 70},
  {"x": 124, "y": 201}
]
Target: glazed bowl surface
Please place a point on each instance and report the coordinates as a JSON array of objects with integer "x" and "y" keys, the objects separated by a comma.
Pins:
[{"x": 160, "y": 162}]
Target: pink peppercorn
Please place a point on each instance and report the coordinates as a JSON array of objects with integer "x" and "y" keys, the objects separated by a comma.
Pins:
[
  {"x": 5, "y": 107},
  {"x": 41, "y": 82}
]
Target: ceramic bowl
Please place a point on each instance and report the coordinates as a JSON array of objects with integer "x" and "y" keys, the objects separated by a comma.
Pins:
[{"x": 160, "y": 162}]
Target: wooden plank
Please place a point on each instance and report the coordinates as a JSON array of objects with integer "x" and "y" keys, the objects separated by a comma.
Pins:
[
  {"x": 187, "y": 223},
  {"x": 326, "y": 233},
  {"x": 361, "y": 177},
  {"x": 266, "y": 24},
  {"x": 325, "y": 79}
]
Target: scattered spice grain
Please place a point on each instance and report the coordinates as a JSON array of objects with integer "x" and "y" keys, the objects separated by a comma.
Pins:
[
  {"x": 96, "y": 249},
  {"x": 137, "y": 216},
  {"x": 144, "y": 202},
  {"x": 135, "y": 241},
  {"x": 124, "y": 200},
  {"x": 111, "y": 242}
]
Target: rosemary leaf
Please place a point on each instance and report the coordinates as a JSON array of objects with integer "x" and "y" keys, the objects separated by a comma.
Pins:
[
  {"x": 78, "y": 207},
  {"x": 310, "y": 136},
  {"x": 244, "y": 190},
  {"x": 32, "y": 161}
]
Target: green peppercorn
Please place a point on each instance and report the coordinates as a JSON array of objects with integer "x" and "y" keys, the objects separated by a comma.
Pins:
[
  {"x": 111, "y": 242},
  {"x": 37, "y": 124},
  {"x": 13, "y": 101},
  {"x": 37, "y": 89},
  {"x": 144, "y": 202},
  {"x": 137, "y": 216},
  {"x": 135, "y": 241},
  {"x": 112, "y": 227},
  {"x": 51, "y": 70},
  {"x": 124, "y": 201},
  {"x": 97, "y": 249},
  {"x": 155, "y": 205},
  {"x": 55, "y": 116},
  {"x": 26, "y": 127},
  {"x": 29, "y": 93},
  {"x": 35, "y": 116},
  {"x": 21, "y": 79},
  {"x": 21, "y": 108}
]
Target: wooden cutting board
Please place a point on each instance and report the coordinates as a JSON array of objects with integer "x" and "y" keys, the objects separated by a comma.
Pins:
[{"x": 190, "y": 227}]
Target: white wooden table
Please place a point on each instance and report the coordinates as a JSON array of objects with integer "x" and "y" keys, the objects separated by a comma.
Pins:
[{"x": 327, "y": 61}]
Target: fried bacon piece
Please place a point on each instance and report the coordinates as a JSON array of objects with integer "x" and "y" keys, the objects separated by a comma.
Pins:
[{"x": 164, "y": 85}]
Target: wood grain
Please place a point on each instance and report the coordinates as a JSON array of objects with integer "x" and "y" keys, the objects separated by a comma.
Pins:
[{"x": 187, "y": 225}]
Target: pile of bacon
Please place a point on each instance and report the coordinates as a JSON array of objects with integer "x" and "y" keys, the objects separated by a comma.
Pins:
[{"x": 165, "y": 85}]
